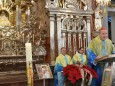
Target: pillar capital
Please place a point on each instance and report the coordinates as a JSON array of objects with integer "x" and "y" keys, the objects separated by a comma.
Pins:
[{"x": 88, "y": 19}]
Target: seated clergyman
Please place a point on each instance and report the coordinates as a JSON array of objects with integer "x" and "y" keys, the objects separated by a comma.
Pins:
[
  {"x": 62, "y": 60},
  {"x": 80, "y": 57}
]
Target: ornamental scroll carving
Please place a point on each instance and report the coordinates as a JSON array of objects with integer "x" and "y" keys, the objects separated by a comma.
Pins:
[{"x": 69, "y": 4}]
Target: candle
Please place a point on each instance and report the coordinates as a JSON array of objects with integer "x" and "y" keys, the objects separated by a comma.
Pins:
[
  {"x": 23, "y": 36},
  {"x": 28, "y": 52},
  {"x": 33, "y": 38},
  {"x": 29, "y": 64},
  {"x": 17, "y": 15}
]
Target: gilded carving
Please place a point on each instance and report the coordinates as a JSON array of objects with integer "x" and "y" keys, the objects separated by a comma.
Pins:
[{"x": 18, "y": 25}]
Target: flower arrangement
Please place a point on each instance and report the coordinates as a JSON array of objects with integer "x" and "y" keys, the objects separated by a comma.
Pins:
[{"x": 73, "y": 75}]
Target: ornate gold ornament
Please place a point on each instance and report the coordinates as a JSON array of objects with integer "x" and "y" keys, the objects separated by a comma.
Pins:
[{"x": 18, "y": 26}]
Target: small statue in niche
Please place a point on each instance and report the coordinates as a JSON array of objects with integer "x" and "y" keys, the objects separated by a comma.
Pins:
[
  {"x": 7, "y": 46},
  {"x": 83, "y": 24},
  {"x": 98, "y": 18},
  {"x": 4, "y": 21},
  {"x": 34, "y": 7}
]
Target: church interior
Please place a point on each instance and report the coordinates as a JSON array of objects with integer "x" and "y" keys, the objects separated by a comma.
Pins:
[{"x": 32, "y": 32}]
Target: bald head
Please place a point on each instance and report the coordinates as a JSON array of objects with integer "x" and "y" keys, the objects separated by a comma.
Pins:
[{"x": 103, "y": 33}]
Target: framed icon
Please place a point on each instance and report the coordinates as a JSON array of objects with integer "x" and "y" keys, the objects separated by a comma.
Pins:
[{"x": 43, "y": 71}]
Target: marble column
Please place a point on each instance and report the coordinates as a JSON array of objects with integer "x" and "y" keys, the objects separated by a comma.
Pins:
[
  {"x": 89, "y": 28},
  {"x": 52, "y": 37},
  {"x": 59, "y": 28}
]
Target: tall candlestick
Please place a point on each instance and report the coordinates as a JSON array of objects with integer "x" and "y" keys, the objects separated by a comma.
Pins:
[
  {"x": 28, "y": 15},
  {"x": 17, "y": 15},
  {"x": 29, "y": 64},
  {"x": 23, "y": 37},
  {"x": 33, "y": 38}
]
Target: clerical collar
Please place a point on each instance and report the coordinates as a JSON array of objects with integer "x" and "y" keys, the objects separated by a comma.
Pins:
[
  {"x": 79, "y": 53},
  {"x": 63, "y": 54}
]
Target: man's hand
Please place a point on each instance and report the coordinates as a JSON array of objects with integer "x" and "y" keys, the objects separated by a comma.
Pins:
[
  {"x": 78, "y": 62},
  {"x": 98, "y": 57},
  {"x": 81, "y": 65},
  {"x": 96, "y": 60}
]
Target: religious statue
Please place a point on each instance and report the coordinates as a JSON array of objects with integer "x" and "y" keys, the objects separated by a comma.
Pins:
[
  {"x": 4, "y": 21},
  {"x": 98, "y": 18}
]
